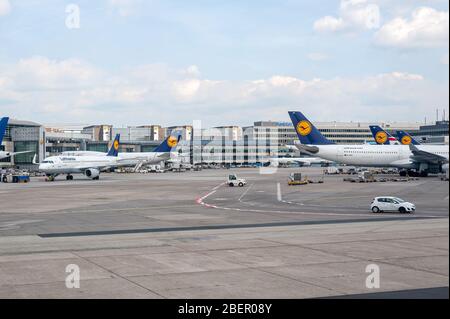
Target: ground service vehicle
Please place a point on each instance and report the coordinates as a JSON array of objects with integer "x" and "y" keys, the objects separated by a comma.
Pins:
[
  {"x": 234, "y": 180},
  {"x": 296, "y": 179}
]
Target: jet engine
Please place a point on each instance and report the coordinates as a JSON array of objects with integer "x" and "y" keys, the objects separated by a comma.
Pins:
[{"x": 92, "y": 173}]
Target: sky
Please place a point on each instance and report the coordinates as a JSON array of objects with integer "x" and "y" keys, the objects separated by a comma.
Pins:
[{"x": 169, "y": 62}]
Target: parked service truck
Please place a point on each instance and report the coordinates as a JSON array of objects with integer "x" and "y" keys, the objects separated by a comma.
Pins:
[
  {"x": 366, "y": 177},
  {"x": 234, "y": 180},
  {"x": 15, "y": 178},
  {"x": 297, "y": 179},
  {"x": 332, "y": 170}
]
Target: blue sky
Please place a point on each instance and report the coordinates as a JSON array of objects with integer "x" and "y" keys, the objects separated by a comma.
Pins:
[{"x": 222, "y": 61}]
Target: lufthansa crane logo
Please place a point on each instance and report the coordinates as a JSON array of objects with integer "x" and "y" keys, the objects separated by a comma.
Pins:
[
  {"x": 304, "y": 128},
  {"x": 116, "y": 145},
  {"x": 406, "y": 140},
  {"x": 381, "y": 137},
  {"x": 172, "y": 141}
]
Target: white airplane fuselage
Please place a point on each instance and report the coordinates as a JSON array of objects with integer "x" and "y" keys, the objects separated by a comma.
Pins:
[
  {"x": 57, "y": 165},
  {"x": 132, "y": 158},
  {"x": 4, "y": 155},
  {"x": 304, "y": 161},
  {"x": 398, "y": 156}
]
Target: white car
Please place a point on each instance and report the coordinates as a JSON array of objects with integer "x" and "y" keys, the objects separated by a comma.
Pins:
[
  {"x": 233, "y": 181},
  {"x": 392, "y": 204}
]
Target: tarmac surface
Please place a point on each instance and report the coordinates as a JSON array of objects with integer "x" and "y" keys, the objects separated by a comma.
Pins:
[{"x": 188, "y": 235}]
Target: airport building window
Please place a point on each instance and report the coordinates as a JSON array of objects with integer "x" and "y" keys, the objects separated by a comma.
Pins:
[
  {"x": 97, "y": 147},
  {"x": 27, "y": 158},
  {"x": 147, "y": 148}
]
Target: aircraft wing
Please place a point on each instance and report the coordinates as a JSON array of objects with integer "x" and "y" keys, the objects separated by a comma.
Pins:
[
  {"x": 18, "y": 153},
  {"x": 300, "y": 161},
  {"x": 296, "y": 160},
  {"x": 145, "y": 158},
  {"x": 291, "y": 147},
  {"x": 102, "y": 167},
  {"x": 309, "y": 149},
  {"x": 164, "y": 156},
  {"x": 422, "y": 156},
  {"x": 311, "y": 161}
]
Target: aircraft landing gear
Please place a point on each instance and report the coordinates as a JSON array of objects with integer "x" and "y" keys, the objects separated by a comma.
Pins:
[
  {"x": 69, "y": 177},
  {"x": 416, "y": 174},
  {"x": 413, "y": 174}
]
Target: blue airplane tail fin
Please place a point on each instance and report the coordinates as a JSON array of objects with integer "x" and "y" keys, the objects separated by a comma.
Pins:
[
  {"x": 406, "y": 139},
  {"x": 306, "y": 131},
  {"x": 168, "y": 144},
  {"x": 381, "y": 136},
  {"x": 3, "y": 124},
  {"x": 114, "y": 150}
]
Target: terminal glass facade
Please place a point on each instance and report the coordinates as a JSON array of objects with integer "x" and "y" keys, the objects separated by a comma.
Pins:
[{"x": 28, "y": 146}]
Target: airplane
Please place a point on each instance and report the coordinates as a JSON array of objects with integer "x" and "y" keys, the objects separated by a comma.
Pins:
[
  {"x": 382, "y": 137},
  {"x": 160, "y": 154},
  {"x": 90, "y": 165},
  {"x": 406, "y": 139},
  {"x": 412, "y": 160},
  {"x": 302, "y": 161},
  {"x": 3, "y": 154}
]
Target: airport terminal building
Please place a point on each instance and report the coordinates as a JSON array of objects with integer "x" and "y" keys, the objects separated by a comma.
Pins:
[
  {"x": 436, "y": 133},
  {"x": 23, "y": 136},
  {"x": 338, "y": 132},
  {"x": 225, "y": 145},
  {"x": 267, "y": 139}
]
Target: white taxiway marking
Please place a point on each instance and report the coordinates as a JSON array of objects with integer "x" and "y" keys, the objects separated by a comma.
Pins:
[
  {"x": 245, "y": 193},
  {"x": 218, "y": 186},
  {"x": 279, "y": 195},
  {"x": 16, "y": 224},
  {"x": 201, "y": 201}
]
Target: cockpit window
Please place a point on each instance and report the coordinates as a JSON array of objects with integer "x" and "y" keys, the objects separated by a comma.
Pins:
[{"x": 47, "y": 162}]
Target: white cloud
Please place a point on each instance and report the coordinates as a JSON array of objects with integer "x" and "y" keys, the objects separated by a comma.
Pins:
[
  {"x": 193, "y": 71},
  {"x": 5, "y": 7},
  {"x": 187, "y": 89},
  {"x": 40, "y": 72},
  {"x": 354, "y": 15},
  {"x": 125, "y": 8},
  {"x": 427, "y": 27},
  {"x": 329, "y": 24},
  {"x": 71, "y": 91},
  {"x": 317, "y": 56}
]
